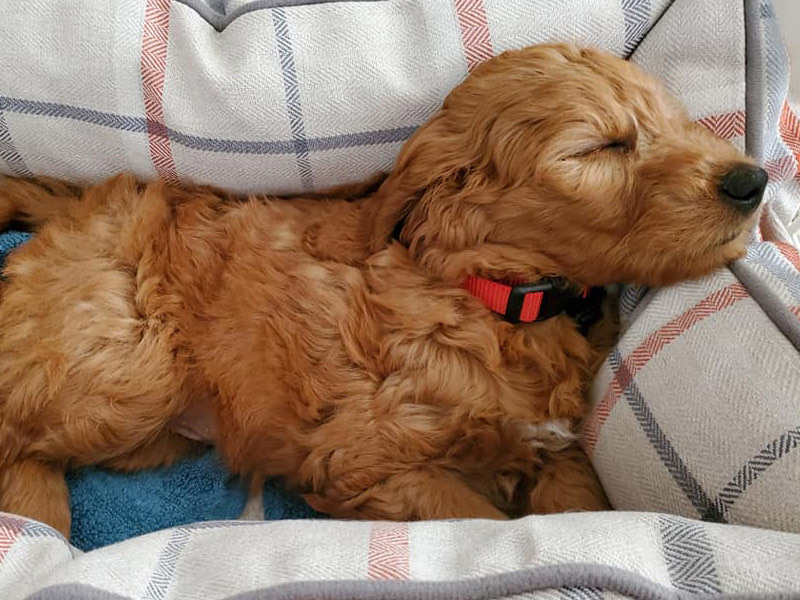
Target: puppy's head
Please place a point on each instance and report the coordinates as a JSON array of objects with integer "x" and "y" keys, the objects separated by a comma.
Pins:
[{"x": 555, "y": 160}]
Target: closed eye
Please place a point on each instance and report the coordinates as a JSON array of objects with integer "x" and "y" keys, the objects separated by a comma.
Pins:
[{"x": 619, "y": 146}]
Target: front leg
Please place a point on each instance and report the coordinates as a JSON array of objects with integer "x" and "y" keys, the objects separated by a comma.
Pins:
[{"x": 567, "y": 482}]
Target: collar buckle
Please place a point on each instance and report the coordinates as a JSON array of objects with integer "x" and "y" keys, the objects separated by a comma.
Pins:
[
  {"x": 539, "y": 301},
  {"x": 518, "y": 302}
]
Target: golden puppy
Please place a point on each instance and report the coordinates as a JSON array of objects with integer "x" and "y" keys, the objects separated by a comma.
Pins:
[{"x": 347, "y": 342}]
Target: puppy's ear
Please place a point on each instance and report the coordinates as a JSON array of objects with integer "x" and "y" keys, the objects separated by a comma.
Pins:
[
  {"x": 436, "y": 153},
  {"x": 392, "y": 203}
]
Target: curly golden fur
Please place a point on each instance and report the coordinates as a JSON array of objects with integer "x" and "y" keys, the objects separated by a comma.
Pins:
[{"x": 306, "y": 344}]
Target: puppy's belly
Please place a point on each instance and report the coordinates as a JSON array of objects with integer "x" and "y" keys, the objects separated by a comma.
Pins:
[{"x": 198, "y": 422}]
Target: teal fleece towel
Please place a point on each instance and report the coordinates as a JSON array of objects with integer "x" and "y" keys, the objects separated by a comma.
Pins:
[{"x": 108, "y": 507}]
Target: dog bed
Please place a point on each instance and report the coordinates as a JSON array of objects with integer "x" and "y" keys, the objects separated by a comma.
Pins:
[
  {"x": 285, "y": 96},
  {"x": 578, "y": 556}
]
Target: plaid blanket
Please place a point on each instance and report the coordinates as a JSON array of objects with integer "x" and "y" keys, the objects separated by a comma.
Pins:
[
  {"x": 577, "y": 556},
  {"x": 696, "y": 410}
]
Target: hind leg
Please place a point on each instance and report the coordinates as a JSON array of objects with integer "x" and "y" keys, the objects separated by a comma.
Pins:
[
  {"x": 37, "y": 490},
  {"x": 163, "y": 451},
  {"x": 93, "y": 361},
  {"x": 32, "y": 474},
  {"x": 87, "y": 376}
]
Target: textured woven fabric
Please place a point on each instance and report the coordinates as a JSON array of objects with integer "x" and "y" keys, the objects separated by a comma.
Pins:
[
  {"x": 696, "y": 411},
  {"x": 109, "y": 507},
  {"x": 10, "y": 240},
  {"x": 577, "y": 556}
]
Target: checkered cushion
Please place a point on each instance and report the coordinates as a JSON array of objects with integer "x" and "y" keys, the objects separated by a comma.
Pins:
[
  {"x": 288, "y": 96},
  {"x": 696, "y": 411}
]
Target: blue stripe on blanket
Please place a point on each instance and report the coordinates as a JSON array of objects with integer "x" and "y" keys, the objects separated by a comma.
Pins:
[{"x": 108, "y": 507}]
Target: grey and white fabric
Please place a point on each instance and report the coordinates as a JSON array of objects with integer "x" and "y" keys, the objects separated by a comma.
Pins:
[{"x": 579, "y": 556}]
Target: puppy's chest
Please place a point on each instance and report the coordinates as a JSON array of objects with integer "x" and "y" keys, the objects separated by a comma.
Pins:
[
  {"x": 461, "y": 380},
  {"x": 448, "y": 348}
]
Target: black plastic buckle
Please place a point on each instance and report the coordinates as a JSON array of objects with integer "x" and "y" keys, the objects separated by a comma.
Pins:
[
  {"x": 587, "y": 311},
  {"x": 550, "y": 307}
]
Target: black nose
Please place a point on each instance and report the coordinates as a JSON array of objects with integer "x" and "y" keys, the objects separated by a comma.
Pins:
[{"x": 743, "y": 187}]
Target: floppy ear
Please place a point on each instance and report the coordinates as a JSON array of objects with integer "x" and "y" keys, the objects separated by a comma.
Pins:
[
  {"x": 435, "y": 154},
  {"x": 391, "y": 204}
]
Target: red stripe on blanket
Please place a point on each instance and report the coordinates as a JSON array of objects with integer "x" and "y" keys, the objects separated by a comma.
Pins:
[
  {"x": 388, "y": 551},
  {"x": 790, "y": 253},
  {"x": 651, "y": 346},
  {"x": 9, "y": 534},
  {"x": 155, "y": 40},
  {"x": 727, "y": 125},
  {"x": 475, "y": 36},
  {"x": 782, "y": 169},
  {"x": 789, "y": 127}
]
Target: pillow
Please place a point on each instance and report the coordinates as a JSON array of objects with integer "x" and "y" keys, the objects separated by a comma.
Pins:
[
  {"x": 583, "y": 556},
  {"x": 277, "y": 95},
  {"x": 697, "y": 411}
]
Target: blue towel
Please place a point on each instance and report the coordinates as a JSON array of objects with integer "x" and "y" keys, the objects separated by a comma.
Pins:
[{"x": 108, "y": 507}]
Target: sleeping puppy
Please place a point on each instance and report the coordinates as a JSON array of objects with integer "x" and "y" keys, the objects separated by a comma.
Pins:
[{"x": 403, "y": 350}]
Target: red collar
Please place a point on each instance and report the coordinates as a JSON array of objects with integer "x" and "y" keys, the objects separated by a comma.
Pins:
[{"x": 520, "y": 302}]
